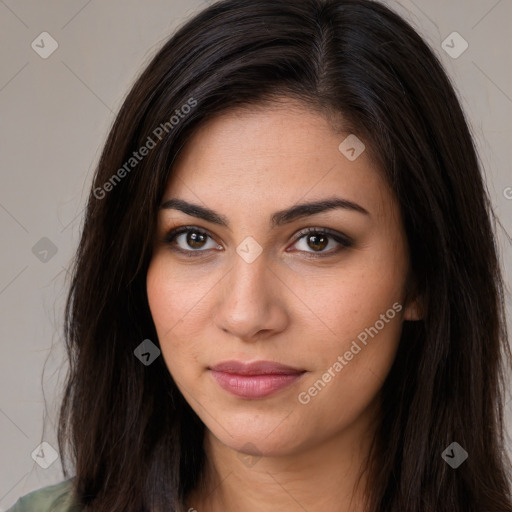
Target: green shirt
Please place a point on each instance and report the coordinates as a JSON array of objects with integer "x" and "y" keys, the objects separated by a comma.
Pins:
[{"x": 53, "y": 498}]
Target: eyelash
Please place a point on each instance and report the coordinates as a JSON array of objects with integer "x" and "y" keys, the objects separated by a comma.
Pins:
[{"x": 343, "y": 240}]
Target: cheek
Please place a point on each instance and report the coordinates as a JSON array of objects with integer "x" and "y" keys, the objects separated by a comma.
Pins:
[
  {"x": 352, "y": 373},
  {"x": 176, "y": 298},
  {"x": 162, "y": 300},
  {"x": 173, "y": 305},
  {"x": 366, "y": 294},
  {"x": 348, "y": 305},
  {"x": 361, "y": 312}
]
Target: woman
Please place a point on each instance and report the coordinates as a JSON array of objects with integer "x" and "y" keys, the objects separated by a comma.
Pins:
[{"x": 287, "y": 294}]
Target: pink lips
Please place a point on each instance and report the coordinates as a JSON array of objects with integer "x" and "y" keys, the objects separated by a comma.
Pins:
[{"x": 254, "y": 380}]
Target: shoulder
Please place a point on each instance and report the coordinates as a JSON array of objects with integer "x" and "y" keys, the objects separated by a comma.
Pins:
[{"x": 52, "y": 498}]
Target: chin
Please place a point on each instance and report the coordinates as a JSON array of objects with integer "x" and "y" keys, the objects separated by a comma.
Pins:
[{"x": 256, "y": 437}]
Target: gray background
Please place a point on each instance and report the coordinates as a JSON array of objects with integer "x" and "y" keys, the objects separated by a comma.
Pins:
[{"x": 55, "y": 114}]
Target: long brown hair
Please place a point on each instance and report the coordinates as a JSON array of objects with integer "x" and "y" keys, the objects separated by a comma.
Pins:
[{"x": 135, "y": 443}]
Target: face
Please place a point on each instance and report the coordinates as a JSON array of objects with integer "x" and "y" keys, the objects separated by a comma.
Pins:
[{"x": 320, "y": 290}]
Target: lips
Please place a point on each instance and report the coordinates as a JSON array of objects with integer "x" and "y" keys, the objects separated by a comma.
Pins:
[
  {"x": 255, "y": 368},
  {"x": 254, "y": 380}
]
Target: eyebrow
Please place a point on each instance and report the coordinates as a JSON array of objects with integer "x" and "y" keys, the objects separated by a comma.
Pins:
[{"x": 279, "y": 218}]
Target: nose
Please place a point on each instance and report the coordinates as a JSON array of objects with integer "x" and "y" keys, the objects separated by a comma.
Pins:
[{"x": 251, "y": 301}]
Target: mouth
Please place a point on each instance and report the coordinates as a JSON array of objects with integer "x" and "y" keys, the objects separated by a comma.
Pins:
[{"x": 254, "y": 380}]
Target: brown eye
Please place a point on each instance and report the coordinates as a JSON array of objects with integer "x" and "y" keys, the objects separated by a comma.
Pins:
[
  {"x": 195, "y": 239},
  {"x": 316, "y": 240},
  {"x": 190, "y": 240}
]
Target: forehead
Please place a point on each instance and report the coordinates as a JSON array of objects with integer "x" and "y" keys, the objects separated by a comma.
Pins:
[{"x": 281, "y": 152}]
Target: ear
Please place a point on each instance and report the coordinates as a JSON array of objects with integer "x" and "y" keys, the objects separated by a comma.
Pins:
[
  {"x": 414, "y": 309},
  {"x": 414, "y": 304}
]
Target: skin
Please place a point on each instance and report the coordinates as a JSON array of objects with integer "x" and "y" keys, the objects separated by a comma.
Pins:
[{"x": 283, "y": 307}]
